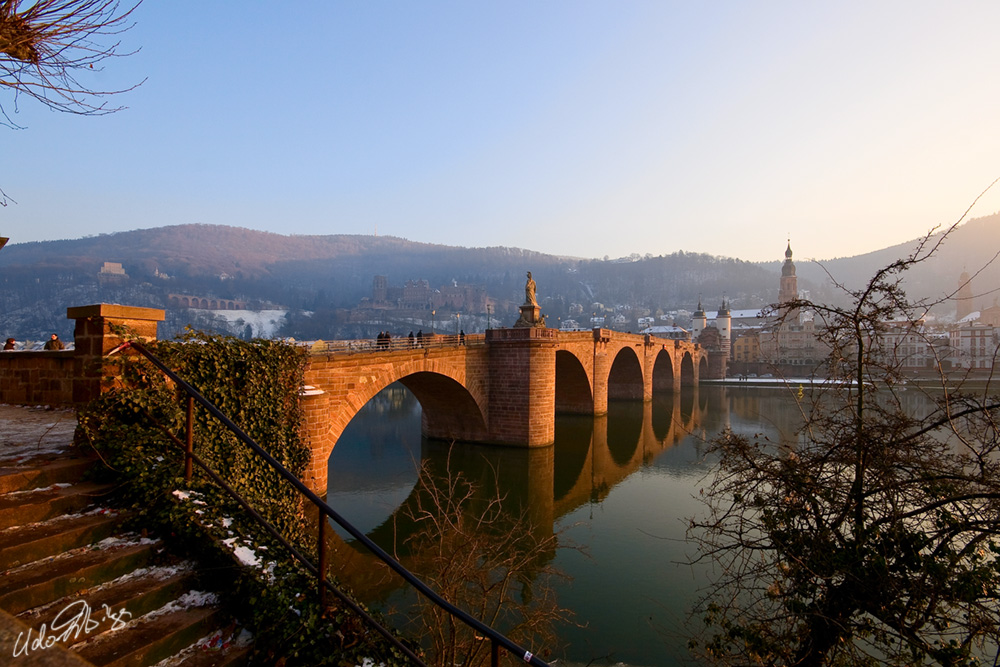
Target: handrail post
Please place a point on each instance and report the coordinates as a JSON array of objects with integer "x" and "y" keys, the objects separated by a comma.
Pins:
[
  {"x": 495, "y": 653},
  {"x": 322, "y": 561},
  {"x": 189, "y": 444}
]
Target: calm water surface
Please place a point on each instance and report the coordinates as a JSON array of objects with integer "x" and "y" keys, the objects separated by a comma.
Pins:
[{"x": 622, "y": 486}]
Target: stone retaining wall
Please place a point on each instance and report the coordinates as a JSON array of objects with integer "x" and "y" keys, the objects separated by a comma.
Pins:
[{"x": 37, "y": 378}]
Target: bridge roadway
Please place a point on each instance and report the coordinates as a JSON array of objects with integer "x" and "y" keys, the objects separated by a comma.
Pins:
[{"x": 503, "y": 387}]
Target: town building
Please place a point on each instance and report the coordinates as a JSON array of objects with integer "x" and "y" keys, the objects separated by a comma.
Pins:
[
  {"x": 973, "y": 345},
  {"x": 789, "y": 342},
  {"x": 112, "y": 272},
  {"x": 903, "y": 344}
]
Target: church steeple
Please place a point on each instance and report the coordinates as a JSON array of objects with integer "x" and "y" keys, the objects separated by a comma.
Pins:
[
  {"x": 788, "y": 269},
  {"x": 788, "y": 288}
]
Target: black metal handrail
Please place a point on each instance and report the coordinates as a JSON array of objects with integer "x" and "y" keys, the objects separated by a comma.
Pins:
[{"x": 497, "y": 639}]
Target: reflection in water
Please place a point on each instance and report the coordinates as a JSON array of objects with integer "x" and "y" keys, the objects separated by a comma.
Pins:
[
  {"x": 624, "y": 424},
  {"x": 571, "y": 451},
  {"x": 621, "y": 486},
  {"x": 374, "y": 465}
]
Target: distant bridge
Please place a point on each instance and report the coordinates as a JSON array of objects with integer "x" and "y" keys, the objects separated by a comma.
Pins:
[{"x": 503, "y": 387}]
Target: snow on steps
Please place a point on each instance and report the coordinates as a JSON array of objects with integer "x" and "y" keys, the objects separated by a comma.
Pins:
[{"x": 75, "y": 580}]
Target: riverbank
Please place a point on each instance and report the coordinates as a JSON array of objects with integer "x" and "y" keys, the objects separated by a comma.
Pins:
[{"x": 953, "y": 382}]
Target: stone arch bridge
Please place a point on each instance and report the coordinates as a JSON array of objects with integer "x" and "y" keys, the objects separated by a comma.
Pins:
[{"x": 503, "y": 387}]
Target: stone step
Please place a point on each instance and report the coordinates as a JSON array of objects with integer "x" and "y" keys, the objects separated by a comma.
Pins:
[
  {"x": 49, "y": 579},
  {"x": 154, "y": 637},
  {"x": 27, "y": 543},
  {"x": 26, "y": 507},
  {"x": 227, "y": 647},
  {"x": 112, "y": 604},
  {"x": 42, "y": 474}
]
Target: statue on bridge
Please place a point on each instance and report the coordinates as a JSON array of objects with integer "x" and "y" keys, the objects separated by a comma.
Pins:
[
  {"x": 529, "y": 292},
  {"x": 530, "y": 312}
]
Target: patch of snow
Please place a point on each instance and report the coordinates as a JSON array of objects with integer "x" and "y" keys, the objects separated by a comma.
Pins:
[
  {"x": 245, "y": 555},
  {"x": 186, "y": 601},
  {"x": 51, "y": 487},
  {"x": 263, "y": 323},
  {"x": 62, "y": 517},
  {"x": 122, "y": 541}
]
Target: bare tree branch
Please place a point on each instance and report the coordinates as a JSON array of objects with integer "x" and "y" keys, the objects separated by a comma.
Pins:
[{"x": 47, "y": 46}]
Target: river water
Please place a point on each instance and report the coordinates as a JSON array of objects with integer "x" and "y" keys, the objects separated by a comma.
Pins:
[{"x": 621, "y": 487}]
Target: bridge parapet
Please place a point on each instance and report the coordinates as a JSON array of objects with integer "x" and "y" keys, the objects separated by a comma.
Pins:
[
  {"x": 520, "y": 334},
  {"x": 367, "y": 345}
]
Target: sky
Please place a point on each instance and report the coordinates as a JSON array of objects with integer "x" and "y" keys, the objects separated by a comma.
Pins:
[{"x": 571, "y": 127}]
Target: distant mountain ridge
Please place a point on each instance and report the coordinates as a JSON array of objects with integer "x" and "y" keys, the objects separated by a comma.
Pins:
[
  {"x": 321, "y": 273},
  {"x": 199, "y": 248}
]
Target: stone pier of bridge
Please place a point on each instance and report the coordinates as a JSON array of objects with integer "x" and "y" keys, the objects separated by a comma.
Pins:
[{"x": 499, "y": 388}]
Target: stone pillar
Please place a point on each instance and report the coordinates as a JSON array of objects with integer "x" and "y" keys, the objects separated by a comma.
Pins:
[
  {"x": 315, "y": 432},
  {"x": 522, "y": 391},
  {"x": 602, "y": 369},
  {"x": 95, "y": 336},
  {"x": 677, "y": 359}
]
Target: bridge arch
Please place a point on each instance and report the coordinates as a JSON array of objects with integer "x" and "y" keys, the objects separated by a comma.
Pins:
[
  {"x": 703, "y": 366},
  {"x": 663, "y": 373},
  {"x": 687, "y": 370},
  {"x": 450, "y": 410},
  {"x": 573, "y": 385},
  {"x": 625, "y": 377}
]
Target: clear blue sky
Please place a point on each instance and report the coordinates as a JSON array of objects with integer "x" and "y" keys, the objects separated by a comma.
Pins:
[{"x": 569, "y": 127}]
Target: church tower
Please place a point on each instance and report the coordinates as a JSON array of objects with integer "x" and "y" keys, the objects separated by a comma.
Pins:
[
  {"x": 964, "y": 296},
  {"x": 788, "y": 288},
  {"x": 698, "y": 322}
]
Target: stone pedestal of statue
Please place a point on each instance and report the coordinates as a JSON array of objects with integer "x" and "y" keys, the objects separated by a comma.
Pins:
[{"x": 530, "y": 317}]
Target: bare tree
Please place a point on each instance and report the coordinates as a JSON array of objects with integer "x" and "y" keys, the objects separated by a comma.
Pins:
[
  {"x": 486, "y": 559},
  {"x": 875, "y": 539},
  {"x": 47, "y": 45}
]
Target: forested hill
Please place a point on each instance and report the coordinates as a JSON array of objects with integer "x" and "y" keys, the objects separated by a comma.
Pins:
[
  {"x": 39, "y": 280},
  {"x": 295, "y": 269}
]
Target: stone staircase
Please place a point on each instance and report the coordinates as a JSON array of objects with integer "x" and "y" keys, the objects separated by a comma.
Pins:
[{"x": 77, "y": 589}]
